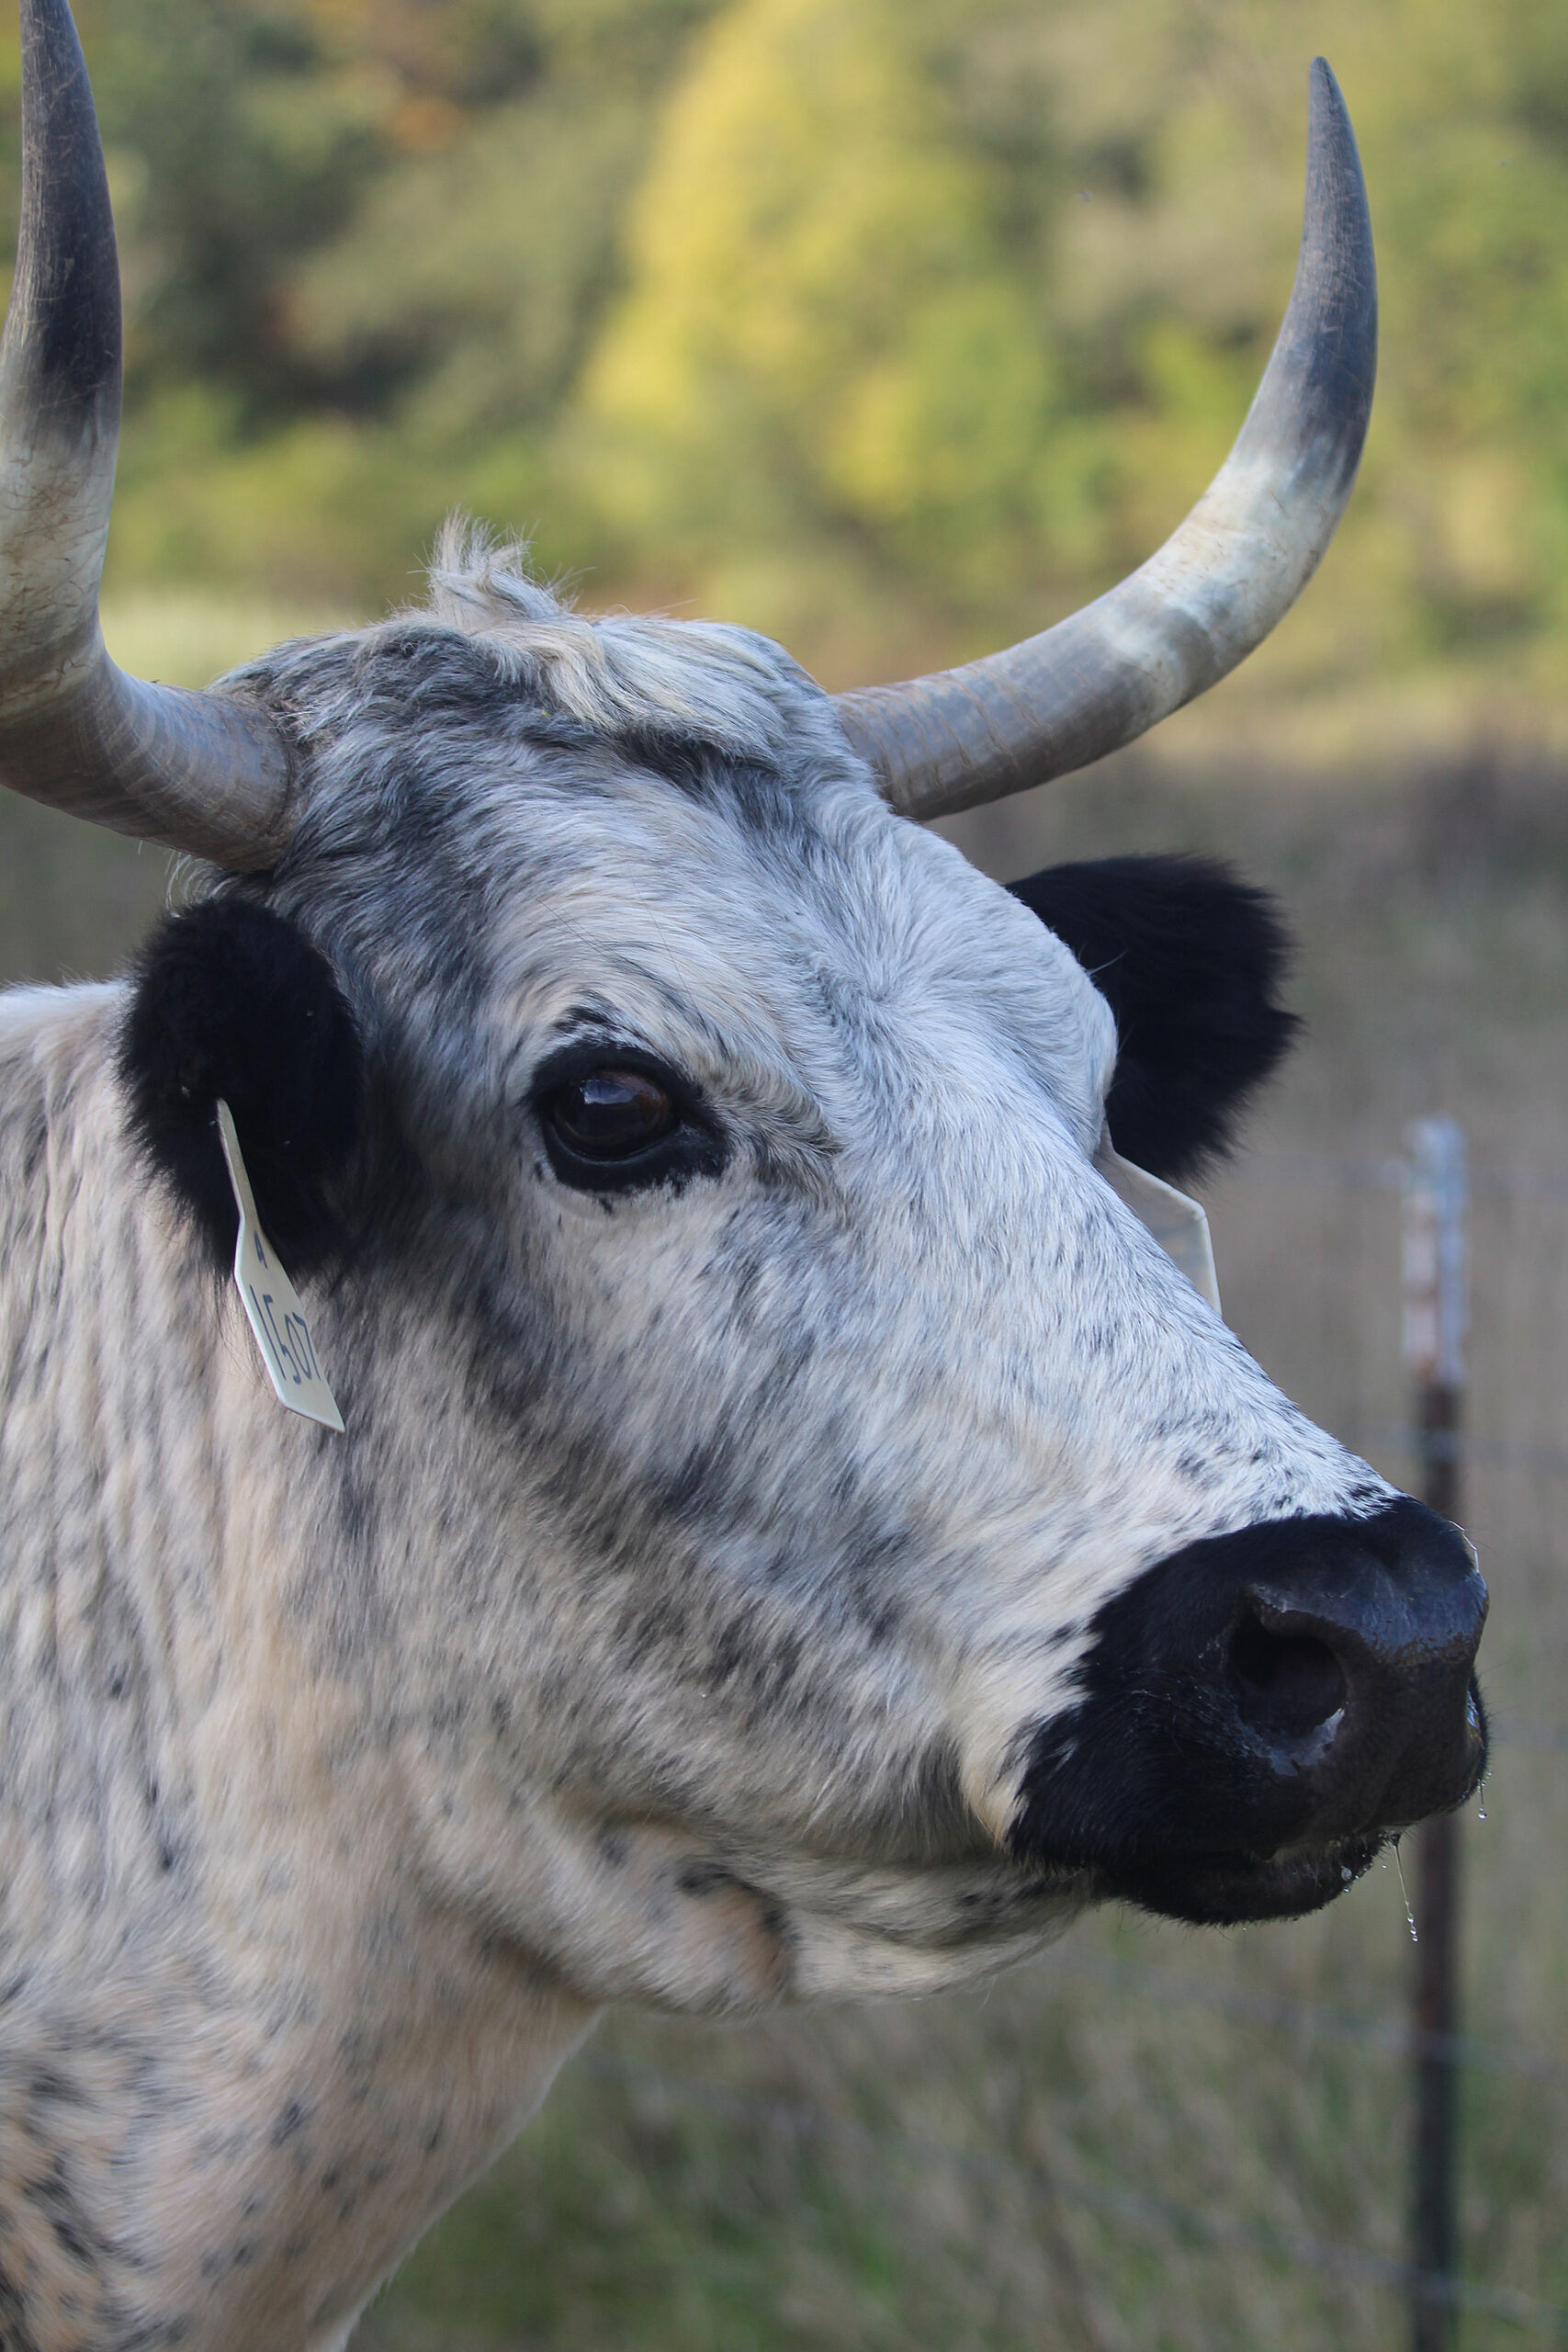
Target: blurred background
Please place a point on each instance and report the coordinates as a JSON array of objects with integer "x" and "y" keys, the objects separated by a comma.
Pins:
[{"x": 896, "y": 328}]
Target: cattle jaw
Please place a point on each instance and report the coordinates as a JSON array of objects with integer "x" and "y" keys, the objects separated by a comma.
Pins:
[
  {"x": 1231, "y": 1892},
  {"x": 1261, "y": 1713}
]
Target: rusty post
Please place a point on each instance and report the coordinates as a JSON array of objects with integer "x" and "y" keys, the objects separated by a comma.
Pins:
[{"x": 1435, "y": 1329}]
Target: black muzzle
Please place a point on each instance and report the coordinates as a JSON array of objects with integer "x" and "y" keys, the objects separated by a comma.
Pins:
[{"x": 1261, "y": 1711}]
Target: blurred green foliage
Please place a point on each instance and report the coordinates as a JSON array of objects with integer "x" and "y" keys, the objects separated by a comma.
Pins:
[
  {"x": 883, "y": 323},
  {"x": 979, "y": 292},
  {"x": 364, "y": 248}
]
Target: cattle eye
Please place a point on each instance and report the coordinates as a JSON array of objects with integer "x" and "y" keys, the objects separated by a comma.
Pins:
[
  {"x": 624, "y": 1125},
  {"x": 610, "y": 1114}
]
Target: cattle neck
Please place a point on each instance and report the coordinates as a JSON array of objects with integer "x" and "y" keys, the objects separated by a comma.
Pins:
[{"x": 291, "y": 2056}]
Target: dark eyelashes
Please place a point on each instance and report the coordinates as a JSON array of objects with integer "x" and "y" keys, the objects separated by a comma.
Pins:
[{"x": 616, "y": 1120}]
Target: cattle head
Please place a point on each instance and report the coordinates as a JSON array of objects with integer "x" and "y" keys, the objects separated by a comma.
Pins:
[{"x": 807, "y": 1534}]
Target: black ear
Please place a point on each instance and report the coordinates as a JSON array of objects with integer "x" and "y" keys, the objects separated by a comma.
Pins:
[
  {"x": 231, "y": 999},
  {"x": 1189, "y": 958}
]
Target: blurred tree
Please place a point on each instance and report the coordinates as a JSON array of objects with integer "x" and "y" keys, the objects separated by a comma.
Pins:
[
  {"x": 364, "y": 243},
  {"x": 827, "y": 324},
  {"x": 477, "y": 263},
  {"x": 971, "y": 294},
  {"x": 880, "y": 320},
  {"x": 245, "y": 137},
  {"x": 237, "y": 139}
]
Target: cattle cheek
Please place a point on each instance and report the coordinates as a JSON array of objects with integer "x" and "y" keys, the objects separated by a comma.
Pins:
[{"x": 629, "y": 1465}]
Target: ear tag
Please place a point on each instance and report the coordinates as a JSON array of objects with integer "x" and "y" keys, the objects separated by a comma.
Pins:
[
  {"x": 271, "y": 1302},
  {"x": 1177, "y": 1222}
]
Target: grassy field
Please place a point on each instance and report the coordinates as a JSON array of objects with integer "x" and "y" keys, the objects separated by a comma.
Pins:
[{"x": 1047, "y": 2163}]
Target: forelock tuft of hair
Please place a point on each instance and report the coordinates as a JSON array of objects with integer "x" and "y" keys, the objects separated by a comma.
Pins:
[
  {"x": 389, "y": 718},
  {"x": 620, "y": 674}
]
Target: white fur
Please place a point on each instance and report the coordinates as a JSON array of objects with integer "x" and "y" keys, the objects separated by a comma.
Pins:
[{"x": 672, "y": 1621}]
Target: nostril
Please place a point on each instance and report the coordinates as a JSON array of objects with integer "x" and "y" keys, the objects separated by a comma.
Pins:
[{"x": 1286, "y": 1684}]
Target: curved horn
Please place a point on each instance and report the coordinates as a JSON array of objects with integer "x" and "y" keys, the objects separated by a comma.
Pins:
[
  {"x": 205, "y": 773},
  {"x": 1225, "y": 575}
]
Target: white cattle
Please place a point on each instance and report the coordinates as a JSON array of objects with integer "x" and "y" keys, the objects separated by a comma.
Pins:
[{"x": 792, "y": 1534}]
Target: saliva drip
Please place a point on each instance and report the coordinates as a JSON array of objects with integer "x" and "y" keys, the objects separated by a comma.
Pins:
[{"x": 1404, "y": 1891}]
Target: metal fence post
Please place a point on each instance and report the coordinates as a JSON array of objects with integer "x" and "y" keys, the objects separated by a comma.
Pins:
[{"x": 1435, "y": 1309}]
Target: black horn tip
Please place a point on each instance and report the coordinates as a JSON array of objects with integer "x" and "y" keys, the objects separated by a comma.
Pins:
[
  {"x": 1313, "y": 404},
  {"x": 1335, "y": 192},
  {"x": 1338, "y": 221},
  {"x": 63, "y": 332}
]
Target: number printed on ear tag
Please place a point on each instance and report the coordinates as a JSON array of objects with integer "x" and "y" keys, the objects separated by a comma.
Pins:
[{"x": 271, "y": 1302}]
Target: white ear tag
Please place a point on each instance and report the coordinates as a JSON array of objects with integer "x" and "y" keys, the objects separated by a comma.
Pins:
[
  {"x": 1177, "y": 1222},
  {"x": 271, "y": 1302}
]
